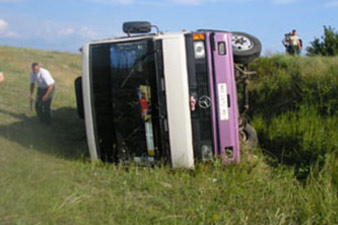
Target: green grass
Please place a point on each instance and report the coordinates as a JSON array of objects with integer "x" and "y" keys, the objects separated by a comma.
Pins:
[{"x": 46, "y": 178}]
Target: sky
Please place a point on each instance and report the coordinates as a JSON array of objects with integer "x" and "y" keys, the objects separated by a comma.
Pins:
[{"x": 65, "y": 25}]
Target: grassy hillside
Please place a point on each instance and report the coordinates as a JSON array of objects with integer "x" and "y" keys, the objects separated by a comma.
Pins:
[
  {"x": 45, "y": 177},
  {"x": 295, "y": 109}
]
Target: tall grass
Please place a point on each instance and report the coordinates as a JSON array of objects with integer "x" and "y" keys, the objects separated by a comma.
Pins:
[{"x": 295, "y": 109}]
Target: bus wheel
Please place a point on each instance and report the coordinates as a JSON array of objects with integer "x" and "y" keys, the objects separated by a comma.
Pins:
[
  {"x": 246, "y": 47},
  {"x": 249, "y": 136}
]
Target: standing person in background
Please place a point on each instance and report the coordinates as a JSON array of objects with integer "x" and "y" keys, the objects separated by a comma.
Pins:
[
  {"x": 2, "y": 77},
  {"x": 45, "y": 93},
  {"x": 295, "y": 43}
]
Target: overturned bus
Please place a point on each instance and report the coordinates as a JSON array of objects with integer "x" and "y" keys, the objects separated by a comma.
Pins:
[{"x": 154, "y": 97}]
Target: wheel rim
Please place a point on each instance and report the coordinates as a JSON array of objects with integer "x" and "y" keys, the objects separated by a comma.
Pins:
[
  {"x": 244, "y": 136},
  {"x": 242, "y": 43}
]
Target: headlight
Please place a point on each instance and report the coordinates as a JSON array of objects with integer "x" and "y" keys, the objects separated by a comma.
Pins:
[
  {"x": 199, "y": 49},
  {"x": 206, "y": 153}
]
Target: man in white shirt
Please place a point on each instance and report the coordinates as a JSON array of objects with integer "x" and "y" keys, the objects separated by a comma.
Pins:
[
  {"x": 2, "y": 77},
  {"x": 295, "y": 43},
  {"x": 45, "y": 93}
]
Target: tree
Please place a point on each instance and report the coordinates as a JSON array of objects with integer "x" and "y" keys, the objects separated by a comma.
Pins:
[{"x": 326, "y": 46}]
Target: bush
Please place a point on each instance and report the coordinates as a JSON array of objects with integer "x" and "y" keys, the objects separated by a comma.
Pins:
[{"x": 328, "y": 46}]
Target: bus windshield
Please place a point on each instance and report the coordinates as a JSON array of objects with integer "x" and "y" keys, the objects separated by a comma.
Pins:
[{"x": 133, "y": 80}]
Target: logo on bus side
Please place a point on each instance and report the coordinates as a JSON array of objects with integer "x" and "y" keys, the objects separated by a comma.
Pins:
[{"x": 204, "y": 102}]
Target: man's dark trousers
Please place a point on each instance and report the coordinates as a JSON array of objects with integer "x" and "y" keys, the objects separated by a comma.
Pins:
[{"x": 43, "y": 108}]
